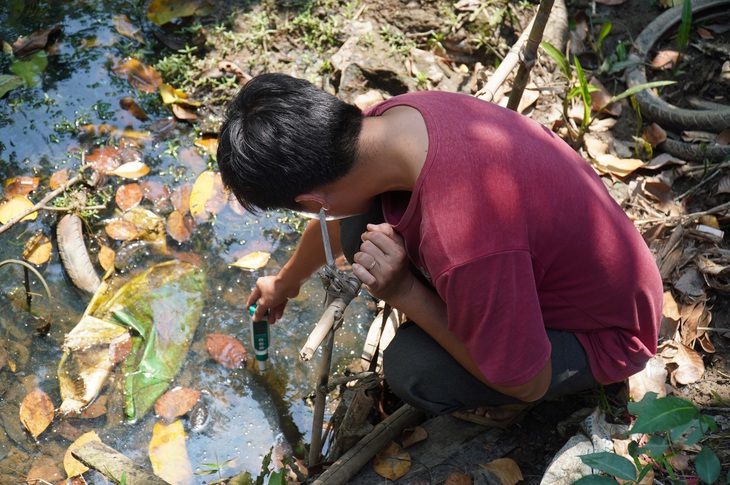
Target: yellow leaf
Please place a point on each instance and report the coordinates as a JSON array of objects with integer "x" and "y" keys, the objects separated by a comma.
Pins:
[
  {"x": 36, "y": 412},
  {"x": 620, "y": 167},
  {"x": 203, "y": 190},
  {"x": 168, "y": 454},
  {"x": 255, "y": 260},
  {"x": 209, "y": 144},
  {"x": 171, "y": 95},
  {"x": 162, "y": 11},
  {"x": 506, "y": 470},
  {"x": 72, "y": 466},
  {"x": 131, "y": 170},
  {"x": 392, "y": 462},
  {"x": 14, "y": 207},
  {"x": 125, "y": 27},
  {"x": 106, "y": 257},
  {"x": 38, "y": 249}
]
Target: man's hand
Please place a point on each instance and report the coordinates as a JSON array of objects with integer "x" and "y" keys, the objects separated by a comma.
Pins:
[
  {"x": 270, "y": 295},
  {"x": 382, "y": 264}
]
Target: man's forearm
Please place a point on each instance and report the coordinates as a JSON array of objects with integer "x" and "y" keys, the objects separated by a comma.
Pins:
[{"x": 310, "y": 255}]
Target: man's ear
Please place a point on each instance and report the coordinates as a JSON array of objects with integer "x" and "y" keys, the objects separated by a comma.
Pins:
[{"x": 316, "y": 197}]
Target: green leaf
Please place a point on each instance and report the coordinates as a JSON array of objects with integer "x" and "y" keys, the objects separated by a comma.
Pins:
[
  {"x": 9, "y": 82},
  {"x": 611, "y": 463},
  {"x": 707, "y": 465},
  {"x": 664, "y": 414},
  {"x": 638, "y": 407},
  {"x": 277, "y": 478},
  {"x": 636, "y": 89},
  {"x": 684, "y": 27},
  {"x": 656, "y": 446},
  {"x": 595, "y": 480},
  {"x": 605, "y": 30},
  {"x": 584, "y": 91},
  {"x": 30, "y": 69},
  {"x": 558, "y": 57},
  {"x": 123, "y": 317}
]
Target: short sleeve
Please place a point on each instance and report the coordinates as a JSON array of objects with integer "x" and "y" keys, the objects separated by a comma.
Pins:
[{"x": 493, "y": 308}]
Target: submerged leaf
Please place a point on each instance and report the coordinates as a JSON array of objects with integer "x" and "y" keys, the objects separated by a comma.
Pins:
[
  {"x": 72, "y": 466},
  {"x": 168, "y": 453},
  {"x": 506, "y": 469},
  {"x": 121, "y": 230},
  {"x": 163, "y": 11},
  {"x": 36, "y": 412},
  {"x": 59, "y": 178},
  {"x": 125, "y": 27},
  {"x": 141, "y": 76},
  {"x": 207, "y": 196},
  {"x": 35, "y": 42},
  {"x": 8, "y": 82},
  {"x": 177, "y": 226},
  {"x": 38, "y": 249},
  {"x": 14, "y": 207},
  {"x": 176, "y": 402},
  {"x": 135, "y": 109},
  {"x": 226, "y": 350}
]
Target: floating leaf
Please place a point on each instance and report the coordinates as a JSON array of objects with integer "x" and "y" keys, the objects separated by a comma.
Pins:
[
  {"x": 131, "y": 105},
  {"x": 72, "y": 466},
  {"x": 141, "y": 76},
  {"x": 59, "y": 178},
  {"x": 8, "y": 82},
  {"x": 104, "y": 159},
  {"x": 14, "y": 207},
  {"x": 208, "y": 144},
  {"x": 125, "y": 27},
  {"x": 162, "y": 11},
  {"x": 506, "y": 470},
  {"x": 121, "y": 230},
  {"x": 255, "y": 260},
  {"x": 38, "y": 249},
  {"x": 178, "y": 226},
  {"x": 36, "y": 412},
  {"x": 171, "y": 95},
  {"x": 131, "y": 170},
  {"x": 207, "y": 196},
  {"x": 183, "y": 114},
  {"x": 31, "y": 68},
  {"x": 392, "y": 462},
  {"x": 128, "y": 196},
  {"x": 35, "y": 42},
  {"x": 176, "y": 402},
  {"x": 226, "y": 350},
  {"x": 168, "y": 454},
  {"x": 20, "y": 186}
]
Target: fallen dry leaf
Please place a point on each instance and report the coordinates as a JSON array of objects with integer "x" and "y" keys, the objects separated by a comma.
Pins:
[
  {"x": 14, "y": 207},
  {"x": 72, "y": 466},
  {"x": 105, "y": 159},
  {"x": 128, "y": 196},
  {"x": 97, "y": 407},
  {"x": 178, "y": 227},
  {"x": 129, "y": 104},
  {"x": 723, "y": 138},
  {"x": 182, "y": 113},
  {"x": 505, "y": 469},
  {"x": 208, "y": 144},
  {"x": 207, "y": 196},
  {"x": 163, "y": 11},
  {"x": 36, "y": 412},
  {"x": 125, "y": 27},
  {"x": 130, "y": 170},
  {"x": 20, "y": 186},
  {"x": 650, "y": 379},
  {"x": 168, "y": 453},
  {"x": 121, "y": 230},
  {"x": 176, "y": 402},
  {"x": 411, "y": 436},
  {"x": 44, "y": 469},
  {"x": 255, "y": 260},
  {"x": 180, "y": 198},
  {"x": 685, "y": 364},
  {"x": 654, "y": 134},
  {"x": 171, "y": 95},
  {"x": 458, "y": 478},
  {"x": 620, "y": 167},
  {"x": 38, "y": 249},
  {"x": 226, "y": 350},
  {"x": 154, "y": 191},
  {"x": 665, "y": 60},
  {"x": 120, "y": 348},
  {"x": 58, "y": 178},
  {"x": 106, "y": 257},
  {"x": 601, "y": 98},
  {"x": 35, "y": 42},
  {"x": 141, "y": 76},
  {"x": 392, "y": 462}
]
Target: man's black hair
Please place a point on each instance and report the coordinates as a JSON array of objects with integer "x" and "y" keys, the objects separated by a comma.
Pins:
[{"x": 283, "y": 137}]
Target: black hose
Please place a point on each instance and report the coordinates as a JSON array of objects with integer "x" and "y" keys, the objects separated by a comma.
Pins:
[{"x": 656, "y": 109}]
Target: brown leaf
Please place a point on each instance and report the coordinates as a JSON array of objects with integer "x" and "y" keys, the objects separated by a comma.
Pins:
[
  {"x": 181, "y": 198},
  {"x": 135, "y": 109},
  {"x": 96, "y": 408},
  {"x": 392, "y": 462},
  {"x": 654, "y": 134},
  {"x": 44, "y": 470},
  {"x": 182, "y": 113},
  {"x": 58, "y": 178},
  {"x": 36, "y": 412},
  {"x": 38, "y": 249},
  {"x": 177, "y": 227},
  {"x": 120, "y": 348},
  {"x": 665, "y": 60},
  {"x": 458, "y": 478},
  {"x": 106, "y": 257},
  {"x": 723, "y": 138},
  {"x": 121, "y": 230},
  {"x": 125, "y": 27},
  {"x": 191, "y": 158},
  {"x": 35, "y": 42},
  {"x": 505, "y": 469},
  {"x": 663, "y": 159},
  {"x": 141, "y": 76},
  {"x": 650, "y": 379},
  {"x": 620, "y": 167},
  {"x": 687, "y": 366},
  {"x": 601, "y": 98},
  {"x": 176, "y": 402},
  {"x": 226, "y": 350},
  {"x": 154, "y": 191},
  {"x": 105, "y": 159},
  {"x": 21, "y": 186},
  {"x": 705, "y": 34},
  {"x": 128, "y": 196}
]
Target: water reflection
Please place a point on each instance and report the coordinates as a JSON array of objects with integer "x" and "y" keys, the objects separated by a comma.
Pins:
[{"x": 249, "y": 412}]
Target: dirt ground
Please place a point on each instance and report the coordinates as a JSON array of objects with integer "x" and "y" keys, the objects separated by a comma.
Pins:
[{"x": 467, "y": 39}]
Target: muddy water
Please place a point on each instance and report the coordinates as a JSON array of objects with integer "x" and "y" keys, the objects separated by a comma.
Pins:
[{"x": 249, "y": 412}]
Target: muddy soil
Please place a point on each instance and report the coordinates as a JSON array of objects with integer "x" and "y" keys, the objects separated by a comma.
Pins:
[{"x": 454, "y": 46}]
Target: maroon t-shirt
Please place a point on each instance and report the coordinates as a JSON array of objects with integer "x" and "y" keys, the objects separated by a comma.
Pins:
[{"x": 518, "y": 234}]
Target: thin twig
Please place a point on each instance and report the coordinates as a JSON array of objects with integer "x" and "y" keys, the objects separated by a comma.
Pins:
[
  {"x": 687, "y": 218},
  {"x": 41, "y": 205}
]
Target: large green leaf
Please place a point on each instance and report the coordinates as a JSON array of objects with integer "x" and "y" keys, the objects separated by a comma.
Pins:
[
  {"x": 707, "y": 465},
  {"x": 163, "y": 304},
  {"x": 663, "y": 414},
  {"x": 611, "y": 463},
  {"x": 8, "y": 83},
  {"x": 30, "y": 68}
]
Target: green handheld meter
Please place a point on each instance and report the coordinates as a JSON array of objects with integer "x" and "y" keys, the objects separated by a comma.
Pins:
[{"x": 259, "y": 338}]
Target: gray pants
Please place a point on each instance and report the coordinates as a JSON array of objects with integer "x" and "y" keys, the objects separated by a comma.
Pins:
[{"x": 423, "y": 374}]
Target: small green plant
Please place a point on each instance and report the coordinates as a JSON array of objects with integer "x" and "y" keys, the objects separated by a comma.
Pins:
[
  {"x": 579, "y": 86},
  {"x": 210, "y": 468},
  {"x": 666, "y": 426}
]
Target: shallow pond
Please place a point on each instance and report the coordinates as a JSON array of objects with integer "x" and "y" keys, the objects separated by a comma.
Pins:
[{"x": 68, "y": 85}]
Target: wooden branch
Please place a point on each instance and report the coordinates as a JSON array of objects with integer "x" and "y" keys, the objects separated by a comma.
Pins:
[
  {"x": 41, "y": 204},
  {"x": 529, "y": 53},
  {"x": 351, "y": 462},
  {"x": 114, "y": 465}
]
